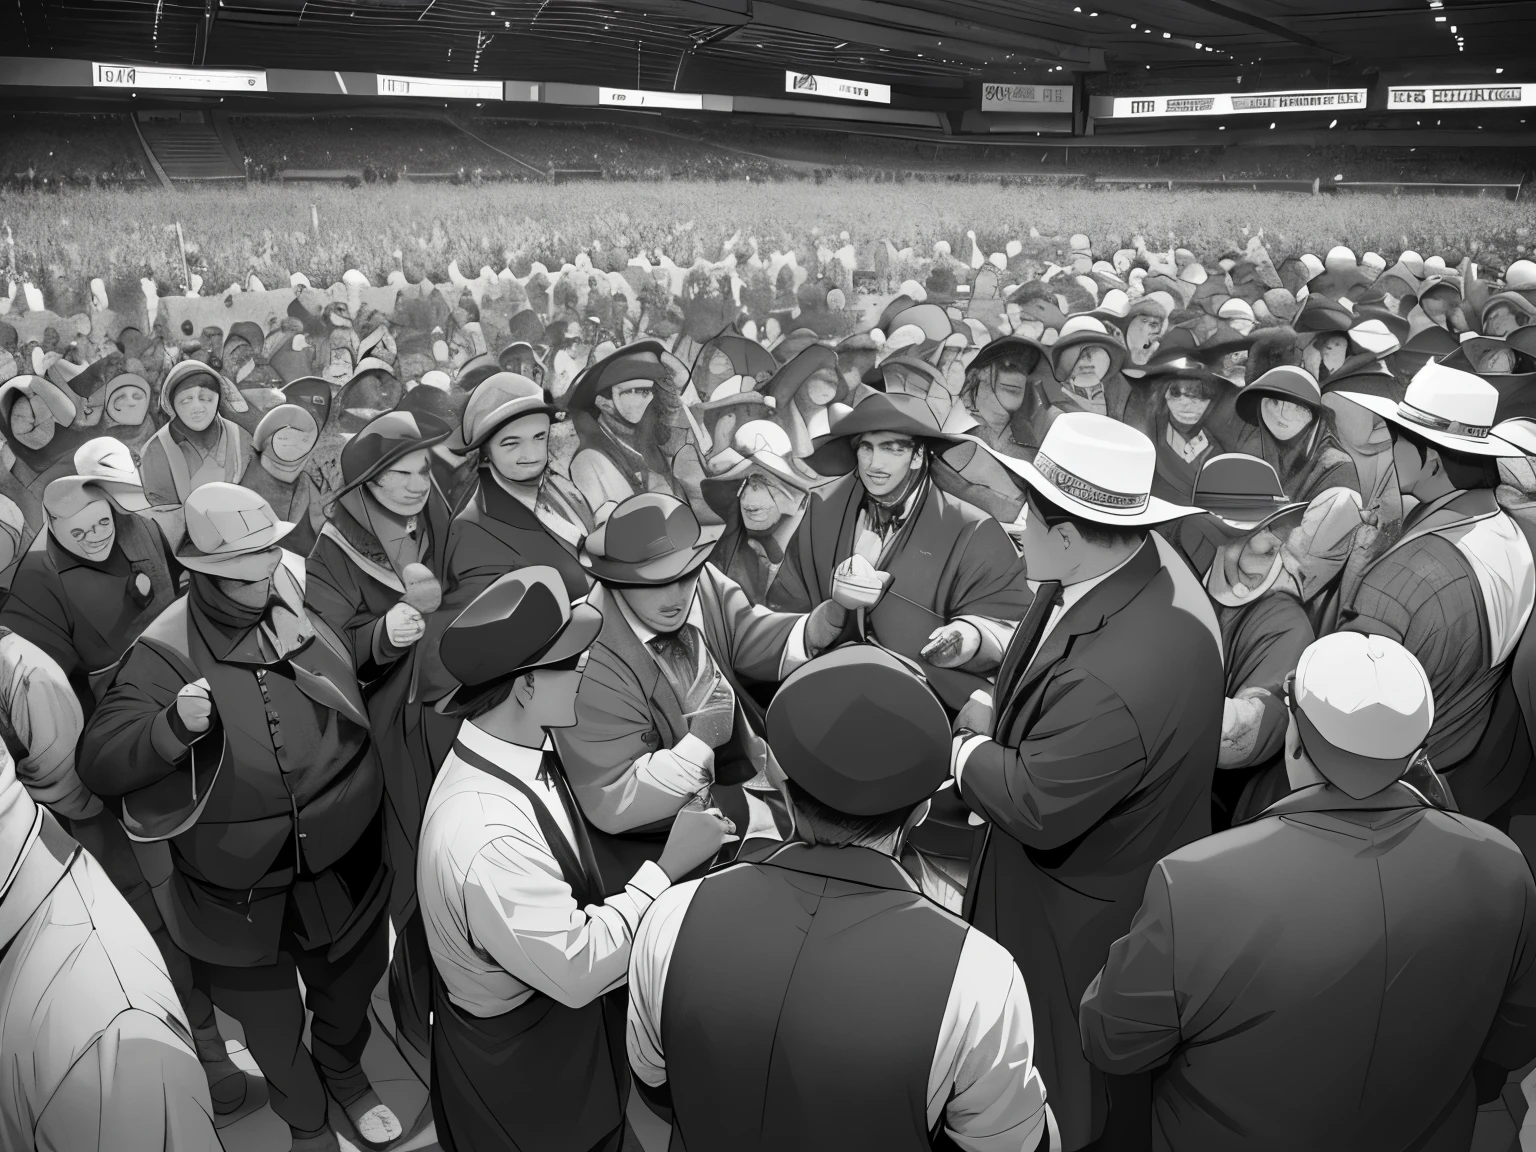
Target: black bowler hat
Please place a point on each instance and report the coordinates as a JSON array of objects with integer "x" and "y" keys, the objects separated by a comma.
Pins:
[
  {"x": 860, "y": 732},
  {"x": 525, "y": 620},
  {"x": 1242, "y": 493},
  {"x": 384, "y": 440}
]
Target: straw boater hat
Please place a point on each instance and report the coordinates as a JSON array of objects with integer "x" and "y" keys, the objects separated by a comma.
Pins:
[
  {"x": 1098, "y": 469},
  {"x": 649, "y": 539},
  {"x": 1363, "y": 708},
  {"x": 1450, "y": 408},
  {"x": 496, "y": 401}
]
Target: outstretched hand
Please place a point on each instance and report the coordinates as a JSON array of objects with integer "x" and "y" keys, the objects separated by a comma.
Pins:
[{"x": 952, "y": 645}]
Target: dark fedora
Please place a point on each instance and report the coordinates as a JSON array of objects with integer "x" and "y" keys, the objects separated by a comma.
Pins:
[
  {"x": 313, "y": 395},
  {"x": 524, "y": 620},
  {"x": 1323, "y": 314},
  {"x": 1242, "y": 494},
  {"x": 649, "y": 539},
  {"x": 1286, "y": 382},
  {"x": 641, "y": 360},
  {"x": 860, "y": 732},
  {"x": 788, "y": 380},
  {"x": 384, "y": 440},
  {"x": 1008, "y": 346},
  {"x": 898, "y": 412}
]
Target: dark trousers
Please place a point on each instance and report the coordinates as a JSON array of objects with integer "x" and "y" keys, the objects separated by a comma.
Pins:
[
  {"x": 410, "y": 983},
  {"x": 268, "y": 1004}
]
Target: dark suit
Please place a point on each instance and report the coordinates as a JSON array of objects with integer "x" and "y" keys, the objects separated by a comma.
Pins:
[
  {"x": 1105, "y": 744},
  {"x": 1325, "y": 977}
]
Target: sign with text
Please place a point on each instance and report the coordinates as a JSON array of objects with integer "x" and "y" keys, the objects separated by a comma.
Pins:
[
  {"x": 637, "y": 98},
  {"x": 1225, "y": 104},
  {"x": 1448, "y": 96},
  {"x": 1026, "y": 98},
  {"x": 804, "y": 84},
  {"x": 177, "y": 79},
  {"x": 424, "y": 87}
]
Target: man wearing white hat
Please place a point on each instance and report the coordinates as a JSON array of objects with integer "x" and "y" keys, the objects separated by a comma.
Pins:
[
  {"x": 1353, "y": 968},
  {"x": 1098, "y": 757},
  {"x": 1458, "y": 586}
]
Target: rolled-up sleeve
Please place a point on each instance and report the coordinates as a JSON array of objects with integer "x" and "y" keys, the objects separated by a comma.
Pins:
[
  {"x": 649, "y": 962},
  {"x": 1129, "y": 1016}
]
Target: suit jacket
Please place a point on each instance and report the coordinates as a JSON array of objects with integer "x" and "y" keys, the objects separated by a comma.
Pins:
[
  {"x": 1325, "y": 977},
  {"x": 1101, "y": 765},
  {"x": 626, "y": 708},
  {"x": 949, "y": 559}
]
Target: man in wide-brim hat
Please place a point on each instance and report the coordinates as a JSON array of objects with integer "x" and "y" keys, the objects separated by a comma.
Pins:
[
  {"x": 1094, "y": 756},
  {"x": 862, "y": 744},
  {"x": 1458, "y": 585},
  {"x": 528, "y": 1026},
  {"x": 236, "y": 730},
  {"x": 613, "y": 408},
  {"x": 663, "y": 714}
]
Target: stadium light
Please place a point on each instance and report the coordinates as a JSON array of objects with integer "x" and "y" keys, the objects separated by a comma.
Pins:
[
  {"x": 1439, "y": 19},
  {"x": 1167, "y": 35},
  {"x": 1498, "y": 71},
  {"x": 1453, "y": 28},
  {"x": 1333, "y": 124}
]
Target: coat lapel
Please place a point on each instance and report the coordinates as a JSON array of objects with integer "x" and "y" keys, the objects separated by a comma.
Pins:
[{"x": 622, "y": 641}]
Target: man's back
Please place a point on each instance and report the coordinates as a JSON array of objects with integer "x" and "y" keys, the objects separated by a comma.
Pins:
[{"x": 1324, "y": 978}]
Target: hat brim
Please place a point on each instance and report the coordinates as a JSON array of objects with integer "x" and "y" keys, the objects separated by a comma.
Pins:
[
  {"x": 128, "y": 497},
  {"x": 719, "y": 492},
  {"x": 1235, "y": 523},
  {"x": 1155, "y": 511},
  {"x": 400, "y": 451},
  {"x": 575, "y": 638},
  {"x": 1466, "y": 445},
  {"x": 1118, "y": 353},
  {"x": 228, "y": 563},
  {"x": 500, "y": 417},
  {"x": 667, "y": 569}
]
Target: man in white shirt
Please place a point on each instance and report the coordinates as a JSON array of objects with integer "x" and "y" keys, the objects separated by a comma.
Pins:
[
  {"x": 526, "y": 1042},
  {"x": 816, "y": 999}
]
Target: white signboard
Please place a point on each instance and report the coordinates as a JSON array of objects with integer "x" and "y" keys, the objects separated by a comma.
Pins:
[
  {"x": 636, "y": 98},
  {"x": 804, "y": 84},
  {"x": 1446, "y": 96},
  {"x": 1237, "y": 102},
  {"x": 183, "y": 79},
  {"x": 425, "y": 87},
  {"x": 1026, "y": 98}
]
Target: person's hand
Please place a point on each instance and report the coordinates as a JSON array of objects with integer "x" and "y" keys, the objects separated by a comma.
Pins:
[
  {"x": 823, "y": 626},
  {"x": 952, "y": 645},
  {"x": 976, "y": 715},
  {"x": 696, "y": 836},
  {"x": 856, "y": 583},
  {"x": 1240, "y": 719},
  {"x": 404, "y": 625},
  {"x": 194, "y": 706}
]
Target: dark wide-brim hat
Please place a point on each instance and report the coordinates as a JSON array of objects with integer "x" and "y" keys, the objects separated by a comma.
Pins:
[
  {"x": 1285, "y": 382},
  {"x": 644, "y": 359},
  {"x": 1242, "y": 493},
  {"x": 384, "y": 440},
  {"x": 1323, "y": 314},
  {"x": 525, "y": 620},
  {"x": 311, "y": 393},
  {"x": 860, "y": 732},
  {"x": 748, "y": 357},
  {"x": 898, "y": 412},
  {"x": 1008, "y": 346},
  {"x": 788, "y": 380},
  {"x": 650, "y": 539}
]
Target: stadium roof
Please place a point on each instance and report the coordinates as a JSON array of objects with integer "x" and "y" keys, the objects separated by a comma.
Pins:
[{"x": 923, "y": 48}]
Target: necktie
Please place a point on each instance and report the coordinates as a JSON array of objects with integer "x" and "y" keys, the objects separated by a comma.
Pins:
[
  {"x": 679, "y": 655},
  {"x": 1021, "y": 650}
]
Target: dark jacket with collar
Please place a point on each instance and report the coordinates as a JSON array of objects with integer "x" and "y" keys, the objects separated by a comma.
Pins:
[
  {"x": 1327, "y": 977},
  {"x": 291, "y": 818},
  {"x": 86, "y": 614},
  {"x": 949, "y": 559},
  {"x": 1105, "y": 745}
]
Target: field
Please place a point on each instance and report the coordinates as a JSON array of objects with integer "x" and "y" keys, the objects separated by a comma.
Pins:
[{"x": 60, "y": 241}]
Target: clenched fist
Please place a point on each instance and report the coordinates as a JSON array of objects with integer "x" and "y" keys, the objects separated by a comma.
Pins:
[
  {"x": 404, "y": 625},
  {"x": 194, "y": 706}
]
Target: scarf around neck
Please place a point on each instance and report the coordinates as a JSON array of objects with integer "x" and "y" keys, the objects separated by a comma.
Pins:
[{"x": 282, "y": 621}]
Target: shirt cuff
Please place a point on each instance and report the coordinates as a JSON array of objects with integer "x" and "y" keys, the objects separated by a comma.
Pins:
[
  {"x": 960, "y": 753},
  {"x": 682, "y": 770},
  {"x": 794, "y": 649},
  {"x": 649, "y": 880}
]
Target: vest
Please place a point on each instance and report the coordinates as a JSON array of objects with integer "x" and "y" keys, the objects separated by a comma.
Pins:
[{"x": 803, "y": 1005}]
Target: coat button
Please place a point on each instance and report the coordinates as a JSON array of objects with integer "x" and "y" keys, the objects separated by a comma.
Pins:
[{"x": 651, "y": 740}]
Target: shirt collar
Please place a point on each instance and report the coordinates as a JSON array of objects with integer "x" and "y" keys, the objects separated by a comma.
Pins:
[
  {"x": 1072, "y": 593},
  {"x": 646, "y": 635},
  {"x": 516, "y": 759}
]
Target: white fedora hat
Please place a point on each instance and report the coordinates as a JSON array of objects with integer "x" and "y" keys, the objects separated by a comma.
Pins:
[
  {"x": 1096, "y": 468},
  {"x": 1447, "y": 407}
]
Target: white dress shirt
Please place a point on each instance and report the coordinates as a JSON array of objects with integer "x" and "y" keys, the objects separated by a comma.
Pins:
[
  {"x": 982, "y": 1079},
  {"x": 501, "y": 921}
]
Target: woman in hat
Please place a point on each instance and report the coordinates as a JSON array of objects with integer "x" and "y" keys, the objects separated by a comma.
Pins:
[
  {"x": 803, "y": 392},
  {"x": 373, "y": 574},
  {"x": 1186, "y": 391},
  {"x": 284, "y": 441},
  {"x": 760, "y": 497},
  {"x": 1085, "y": 362},
  {"x": 617, "y": 406},
  {"x": 199, "y": 445},
  {"x": 1003, "y": 390},
  {"x": 1290, "y": 427}
]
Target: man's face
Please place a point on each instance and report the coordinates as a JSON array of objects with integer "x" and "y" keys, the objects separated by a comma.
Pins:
[
  {"x": 1285, "y": 419},
  {"x": 1409, "y": 464},
  {"x": 1436, "y": 306},
  {"x": 1187, "y": 403},
  {"x": 885, "y": 459},
  {"x": 663, "y": 608},
  {"x": 520, "y": 450},
  {"x": 762, "y": 504},
  {"x": 403, "y": 487},
  {"x": 1009, "y": 386},
  {"x": 196, "y": 406},
  {"x": 524, "y": 363},
  {"x": 246, "y": 593},
  {"x": 89, "y": 533},
  {"x": 629, "y": 399},
  {"x": 128, "y": 406},
  {"x": 1501, "y": 321}
]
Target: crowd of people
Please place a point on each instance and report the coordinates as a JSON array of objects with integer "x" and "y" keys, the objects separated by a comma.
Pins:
[{"x": 1090, "y": 713}]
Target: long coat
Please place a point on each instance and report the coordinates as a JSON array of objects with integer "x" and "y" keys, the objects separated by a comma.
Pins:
[
  {"x": 1105, "y": 744},
  {"x": 352, "y": 594},
  {"x": 626, "y": 708},
  {"x": 1325, "y": 977},
  {"x": 949, "y": 559}
]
